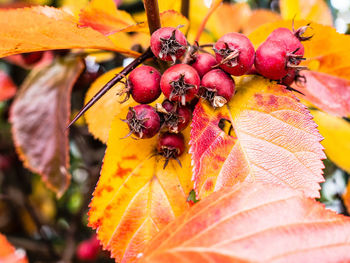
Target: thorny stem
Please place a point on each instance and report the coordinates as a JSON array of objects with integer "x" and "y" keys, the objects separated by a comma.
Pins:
[
  {"x": 147, "y": 54},
  {"x": 211, "y": 10},
  {"x": 153, "y": 18}
]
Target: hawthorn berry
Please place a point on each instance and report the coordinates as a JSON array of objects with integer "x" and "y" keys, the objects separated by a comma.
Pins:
[
  {"x": 286, "y": 36},
  {"x": 203, "y": 63},
  {"x": 175, "y": 117},
  {"x": 180, "y": 83},
  {"x": 143, "y": 84},
  {"x": 143, "y": 121},
  {"x": 217, "y": 87},
  {"x": 234, "y": 53},
  {"x": 88, "y": 250},
  {"x": 33, "y": 57},
  {"x": 272, "y": 60},
  {"x": 288, "y": 79},
  {"x": 168, "y": 43},
  {"x": 171, "y": 145}
]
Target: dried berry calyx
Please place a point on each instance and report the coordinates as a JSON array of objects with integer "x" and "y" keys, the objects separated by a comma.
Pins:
[
  {"x": 180, "y": 88},
  {"x": 171, "y": 146},
  {"x": 175, "y": 117},
  {"x": 143, "y": 121},
  {"x": 168, "y": 43},
  {"x": 230, "y": 56}
]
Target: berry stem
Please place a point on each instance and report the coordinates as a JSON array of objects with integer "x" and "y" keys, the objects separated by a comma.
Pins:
[
  {"x": 147, "y": 54},
  {"x": 152, "y": 11},
  {"x": 211, "y": 10},
  {"x": 185, "y": 8}
]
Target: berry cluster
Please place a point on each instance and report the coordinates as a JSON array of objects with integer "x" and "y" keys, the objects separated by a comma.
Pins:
[{"x": 203, "y": 75}]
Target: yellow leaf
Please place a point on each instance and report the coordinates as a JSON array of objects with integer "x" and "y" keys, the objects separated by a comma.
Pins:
[
  {"x": 314, "y": 10},
  {"x": 336, "y": 133},
  {"x": 47, "y": 28},
  {"x": 135, "y": 197},
  {"x": 73, "y": 6}
]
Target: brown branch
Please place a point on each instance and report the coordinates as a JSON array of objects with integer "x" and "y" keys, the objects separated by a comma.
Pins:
[
  {"x": 185, "y": 8},
  {"x": 153, "y": 18},
  {"x": 147, "y": 54}
]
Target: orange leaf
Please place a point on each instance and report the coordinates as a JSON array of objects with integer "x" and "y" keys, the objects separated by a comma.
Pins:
[
  {"x": 273, "y": 139},
  {"x": 326, "y": 52},
  {"x": 259, "y": 17},
  {"x": 47, "y": 28},
  {"x": 104, "y": 17},
  {"x": 314, "y": 10},
  {"x": 7, "y": 87},
  {"x": 8, "y": 253},
  {"x": 135, "y": 197},
  {"x": 254, "y": 223},
  {"x": 39, "y": 117}
]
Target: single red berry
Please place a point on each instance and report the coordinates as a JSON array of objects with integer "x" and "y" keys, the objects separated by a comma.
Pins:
[
  {"x": 33, "y": 57},
  {"x": 171, "y": 145},
  {"x": 88, "y": 250},
  {"x": 218, "y": 87},
  {"x": 175, "y": 117},
  {"x": 234, "y": 53},
  {"x": 286, "y": 36},
  {"x": 144, "y": 84},
  {"x": 143, "y": 121},
  {"x": 180, "y": 83},
  {"x": 272, "y": 60},
  {"x": 203, "y": 63},
  {"x": 168, "y": 43}
]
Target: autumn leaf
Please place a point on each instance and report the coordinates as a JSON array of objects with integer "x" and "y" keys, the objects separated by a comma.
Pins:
[
  {"x": 39, "y": 117},
  {"x": 329, "y": 67},
  {"x": 336, "y": 132},
  {"x": 47, "y": 28},
  {"x": 253, "y": 223},
  {"x": 7, "y": 87},
  {"x": 314, "y": 10},
  {"x": 273, "y": 139},
  {"x": 135, "y": 197},
  {"x": 8, "y": 254},
  {"x": 259, "y": 17}
]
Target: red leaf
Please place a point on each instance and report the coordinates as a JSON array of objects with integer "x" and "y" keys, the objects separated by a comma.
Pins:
[
  {"x": 8, "y": 253},
  {"x": 7, "y": 87},
  {"x": 254, "y": 223},
  {"x": 40, "y": 115},
  {"x": 327, "y": 92},
  {"x": 273, "y": 139}
]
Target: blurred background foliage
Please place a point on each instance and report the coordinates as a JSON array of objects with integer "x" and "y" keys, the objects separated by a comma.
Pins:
[{"x": 31, "y": 216}]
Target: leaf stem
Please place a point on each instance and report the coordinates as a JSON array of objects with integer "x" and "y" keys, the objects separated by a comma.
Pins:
[
  {"x": 211, "y": 10},
  {"x": 153, "y": 18},
  {"x": 147, "y": 54}
]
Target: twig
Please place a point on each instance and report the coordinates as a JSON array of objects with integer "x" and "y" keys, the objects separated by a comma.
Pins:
[
  {"x": 147, "y": 54},
  {"x": 185, "y": 8},
  {"x": 211, "y": 10},
  {"x": 153, "y": 18}
]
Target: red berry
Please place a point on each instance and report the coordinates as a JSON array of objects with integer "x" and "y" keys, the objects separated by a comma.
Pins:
[
  {"x": 288, "y": 79},
  {"x": 286, "y": 36},
  {"x": 271, "y": 60},
  {"x": 168, "y": 43},
  {"x": 88, "y": 249},
  {"x": 203, "y": 63},
  {"x": 176, "y": 118},
  {"x": 143, "y": 84},
  {"x": 180, "y": 83},
  {"x": 143, "y": 121},
  {"x": 171, "y": 145},
  {"x": 218, "y": 87},
  {"x": 234, "y": 53},
  {"x": 33, "y": 57}
]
